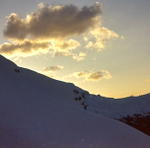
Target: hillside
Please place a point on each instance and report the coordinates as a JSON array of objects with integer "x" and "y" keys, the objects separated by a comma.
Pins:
[
  {"x": 134, "y": 111},
  {"x": 40, "y": 112}
]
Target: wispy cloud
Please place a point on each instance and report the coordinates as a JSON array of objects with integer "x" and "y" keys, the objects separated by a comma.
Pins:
[
  {"x": 78, "y": 57},
  {"x": 93, "y": 76},
  {"x": 53, "y": 68},
  {"x": 51, "y": 71},
  {"x": 98, "y": 37},
  {"x": 26, "y": 46}
]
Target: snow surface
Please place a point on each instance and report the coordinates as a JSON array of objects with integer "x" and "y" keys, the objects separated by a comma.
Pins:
[
  {"x": 118, "y": 108},
  {"x": 40, "y": 112}
]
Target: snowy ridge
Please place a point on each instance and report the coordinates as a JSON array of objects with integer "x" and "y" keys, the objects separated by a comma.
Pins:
[
  {"x": 40, "y": 112},
  {"x": 134, "y": 111},
  {"x": 117, "y": 108}
]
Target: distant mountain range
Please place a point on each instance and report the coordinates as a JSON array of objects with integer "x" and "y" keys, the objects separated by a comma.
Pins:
[{"x": 40, "y": 112}]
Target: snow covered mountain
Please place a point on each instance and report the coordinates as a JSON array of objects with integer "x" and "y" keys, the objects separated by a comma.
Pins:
[
  {"x": 40, "y": 112},
  {"x": 117, "y": 108},
  {"x": 134, "y": 111}
]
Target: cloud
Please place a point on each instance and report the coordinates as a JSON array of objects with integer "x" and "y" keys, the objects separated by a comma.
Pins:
[
  {"x": 27, "y": 47},
  {"x": 23, "y": 47},
  {"x": 58, "y": 29},
  {"x": 78, "y": 57},
  {"x": 53, "y": 68},
  {"x": 64, "y": 45},
  {"x": 50, "y": 71},
  {"x": 98, "y": 37},
  {"x": 93, "y": 76},
  {"x": 52, "y": 22},
  {"x": 62, "y": 53}
]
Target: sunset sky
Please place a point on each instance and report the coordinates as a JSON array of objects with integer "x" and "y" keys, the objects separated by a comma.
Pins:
[{"x": 100, "y": 46}]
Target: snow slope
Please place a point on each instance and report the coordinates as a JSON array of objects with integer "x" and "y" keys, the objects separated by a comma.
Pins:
[
  {"x": 117, "y": 108},
  {"x": 39, "y": 112},
  {"x": 134, "y": 111}
]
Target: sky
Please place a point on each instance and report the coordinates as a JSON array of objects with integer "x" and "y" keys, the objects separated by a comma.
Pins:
[{"x": 100, "y": 46}]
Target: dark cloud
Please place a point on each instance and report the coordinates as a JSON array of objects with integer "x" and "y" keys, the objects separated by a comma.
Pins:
[
  {"x": 59, "y": 29},
  {"x": 52, "y": 22}
]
